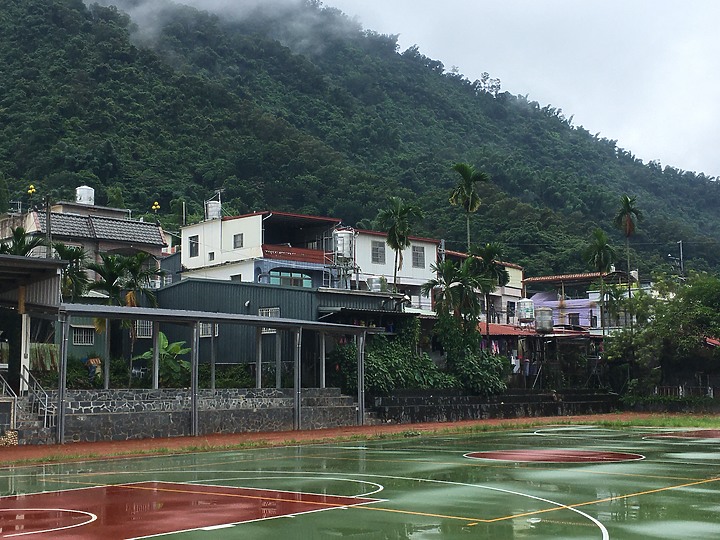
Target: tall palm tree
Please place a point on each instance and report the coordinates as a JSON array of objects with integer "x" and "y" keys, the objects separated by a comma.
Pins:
[
  {"x": 111, "y": 275},
  {"x": 141, "y": 269},
  {"x": 626, "y": 220},
  {"x": 397, "y": 220},
  {"x": 21, "y": 243},
  {"x": 485, "y": 263},
  {"x": 465, "y": 193},
  {"x": 454, "y": 289},
  {"x": 74, "y": 278},
  {"x": 141, "y": 272},
  {"x": 600, "y": 255}
]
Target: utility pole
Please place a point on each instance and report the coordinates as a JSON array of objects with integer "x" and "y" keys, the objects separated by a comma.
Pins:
[
  {"x": 48, "y": 232},
  {"x": 682, "y": 263}
]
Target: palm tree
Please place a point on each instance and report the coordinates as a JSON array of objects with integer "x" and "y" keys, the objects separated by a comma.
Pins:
[
  {"x": 492, "y": 273},
  {"x": 600, "y": 255},
  {"x": 74, "y": 278},
  {"x": 21, "y": 243},
  {"x": 396, "y": 220},
  {"x": 111, "y": 276},
  {"x": 141, "y": 271},
  {"x": 465, "y": 193},
  {"x": 626, "y": 218}
]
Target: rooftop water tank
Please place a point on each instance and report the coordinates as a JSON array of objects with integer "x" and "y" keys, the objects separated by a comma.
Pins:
[
  {"x": 85, "y": 195},
  {"x": 343, "y": 240},
  {"x": 544, "y": 320},
  {"x": 525, "y": 310},
  {"x": 213, "y": 210}
]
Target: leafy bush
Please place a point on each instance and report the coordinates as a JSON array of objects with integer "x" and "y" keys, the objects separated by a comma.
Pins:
[
  {"x": 390, "y": 363},
  {"x": 483, "y": 373},
  {"x": 227, "y": 376}
]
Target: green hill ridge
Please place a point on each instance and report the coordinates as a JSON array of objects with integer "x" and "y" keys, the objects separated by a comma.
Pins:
[{"x": 297, "y": 108}]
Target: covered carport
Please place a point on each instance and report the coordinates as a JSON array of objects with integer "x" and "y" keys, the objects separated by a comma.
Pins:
[
  {"x": 192, "y": 320},
  {"x": 29, "y": 287}
]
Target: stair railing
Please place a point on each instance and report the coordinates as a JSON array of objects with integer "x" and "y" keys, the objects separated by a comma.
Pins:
[
  {"x": 7, "y": 391},
  {"x": 40, "y": 403}
]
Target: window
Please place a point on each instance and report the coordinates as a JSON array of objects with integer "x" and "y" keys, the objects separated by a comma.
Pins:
[
  {"x": 269, "y": 312},
  {"x": 574, "y": 319},
  {"x": 194, "y": 245},
  {"x": 236, "y": 277},
  {"x": 510, "y": 312},
  {"x": 378, "y": 252},
  {"x": 143, "y": 329},
  {"x": 290, "y": 279},
  {"x": 418, "y": 256},
  {"x": 83, "y": 335},
  {"x": 211, "y": 256},
  {"x": 237, "y": 241},
  {"x": 207, "y": 329}
]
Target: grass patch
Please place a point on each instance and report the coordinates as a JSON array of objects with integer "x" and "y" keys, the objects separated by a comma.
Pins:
[{"x": 623, "y": 421}]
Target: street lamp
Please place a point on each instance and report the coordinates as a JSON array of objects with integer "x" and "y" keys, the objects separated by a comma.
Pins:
[{"x": 155, "y": 207}]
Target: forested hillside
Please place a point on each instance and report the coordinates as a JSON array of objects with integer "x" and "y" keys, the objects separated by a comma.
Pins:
[{"x": 297, "y": 108}]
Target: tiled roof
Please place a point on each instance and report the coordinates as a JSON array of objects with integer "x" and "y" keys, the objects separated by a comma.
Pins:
[
  {"x": 506, "y": 330},
  {"x": 564, "y": 277},
  {"x": 102, "y": 228}
]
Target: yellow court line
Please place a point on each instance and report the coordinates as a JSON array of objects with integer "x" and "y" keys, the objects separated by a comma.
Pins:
[
  {"x": 606, "y": 499},
  {"x": 423, "y": 514}
]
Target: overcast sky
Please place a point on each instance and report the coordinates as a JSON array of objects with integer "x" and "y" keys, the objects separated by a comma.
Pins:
[{"x": 642, "y": 72}]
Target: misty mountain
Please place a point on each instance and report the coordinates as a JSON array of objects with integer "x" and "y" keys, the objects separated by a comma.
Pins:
[{"x": 289, "y": 105}]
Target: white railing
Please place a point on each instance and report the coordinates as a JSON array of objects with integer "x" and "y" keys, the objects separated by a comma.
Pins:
[
  {"x": 40, "y": 403},
  {"x": 7, "y": 391}
]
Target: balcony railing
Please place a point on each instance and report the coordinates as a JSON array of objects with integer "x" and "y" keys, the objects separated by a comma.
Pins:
[{"x": 289, "y": 253}]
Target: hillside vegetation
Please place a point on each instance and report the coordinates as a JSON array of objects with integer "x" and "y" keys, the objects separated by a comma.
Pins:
[{"x": 299, "y": 109}]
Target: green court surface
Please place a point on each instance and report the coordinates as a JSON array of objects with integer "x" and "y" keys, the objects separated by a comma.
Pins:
[{"x": 546, "y": 483}]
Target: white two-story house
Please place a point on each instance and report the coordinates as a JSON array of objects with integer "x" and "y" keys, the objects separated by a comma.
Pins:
[
  {"x": 265, "y": 247},
  {"x": 376, "y": 265}
]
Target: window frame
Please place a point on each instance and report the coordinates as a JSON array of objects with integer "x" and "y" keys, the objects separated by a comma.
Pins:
[
  {"x": 272, "y": 312},
  {"x": 377, "y": 252},
  {"x": 418, "y": 252},
  {"x": 87, "y": 331},
  {"x": 241, "y": 238},
  {"x": 194, "y": 246},
  {"x": 141, "y": 329}
]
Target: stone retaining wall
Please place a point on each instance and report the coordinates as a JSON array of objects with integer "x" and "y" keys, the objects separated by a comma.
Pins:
[{"x": 105, "y": 415}]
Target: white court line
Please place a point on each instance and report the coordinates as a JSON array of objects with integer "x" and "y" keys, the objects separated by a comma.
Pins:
[
  {"x": 603, "y": 530},
  {"x": 93, "y": 517}
]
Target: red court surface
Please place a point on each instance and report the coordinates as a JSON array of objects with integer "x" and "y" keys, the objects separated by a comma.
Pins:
[
  {"x": 555, "y": 456},
  {"x": 151, "y": 508},
  {"x": 696, "y": 434}
]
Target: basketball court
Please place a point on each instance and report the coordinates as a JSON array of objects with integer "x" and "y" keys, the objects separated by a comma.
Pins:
[{"x": 551, "y": 482}]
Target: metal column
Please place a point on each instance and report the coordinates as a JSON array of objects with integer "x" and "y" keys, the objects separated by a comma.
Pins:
[
  {"x": 361, "y": 377},
  {"x": 297, "y": 421},
  {"x": 156, "y": 355},
  {"x": 106, "y": 367},
  {"x": 278, "y": 360},
  {"x": 322, "y": 359},
  {"x": 213, "y": 356},
  {"x": 195, "y": 356},
  {"x": 258, "y": 357},
  {"x": 62, "y": 381}
]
